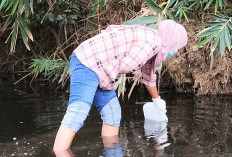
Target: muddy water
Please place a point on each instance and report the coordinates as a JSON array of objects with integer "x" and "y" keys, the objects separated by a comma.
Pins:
[{"x": 197, "y": 127}]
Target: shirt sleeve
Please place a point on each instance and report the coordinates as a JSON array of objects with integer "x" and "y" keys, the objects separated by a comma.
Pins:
[{"x": 148, "y": 72}]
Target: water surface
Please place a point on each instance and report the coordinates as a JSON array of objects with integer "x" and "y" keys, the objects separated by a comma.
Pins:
[{"x": 198, "y": 126}]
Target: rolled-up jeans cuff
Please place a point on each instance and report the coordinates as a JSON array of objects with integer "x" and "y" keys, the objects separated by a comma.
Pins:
[
  {"x": 75, "y": 115},
  {"x": 111, "y": 113}
]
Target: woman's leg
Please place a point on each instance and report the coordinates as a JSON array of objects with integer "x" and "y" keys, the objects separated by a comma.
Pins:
[
  {"x": 108, "y": 105},
  {"x": 84, "y": 83},
  {"x": 63, "y": 139}
]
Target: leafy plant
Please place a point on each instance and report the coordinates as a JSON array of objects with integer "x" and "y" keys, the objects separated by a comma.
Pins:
[
  {"x": 219, "y": 32},
  {"x": 148, "y": 21},
  {"x": 177, "y": 8},
  {"x": 207, "y": 3},
  {"x": 182, "y": 9},
  {"x": 54, "y": 69},
  {"x": 64, "y": 19},
  {"x": 173, "y": 9},
  {"x": 19, "y": 10},
  {"x": 154, "y": 6}
]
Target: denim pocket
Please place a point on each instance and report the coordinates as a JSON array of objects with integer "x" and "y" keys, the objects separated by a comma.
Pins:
[{"x": 84, "y": 82}]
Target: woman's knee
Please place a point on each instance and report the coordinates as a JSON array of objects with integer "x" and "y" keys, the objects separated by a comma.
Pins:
[
  {"x": 75, "y": 115},
  {"x": 111, "y": 113}
]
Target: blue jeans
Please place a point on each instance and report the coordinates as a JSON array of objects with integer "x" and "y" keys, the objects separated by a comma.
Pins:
[{"x": 84, "y": 89}]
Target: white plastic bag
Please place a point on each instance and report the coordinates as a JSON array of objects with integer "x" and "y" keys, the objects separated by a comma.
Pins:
[{"x": 153, "y": 112}]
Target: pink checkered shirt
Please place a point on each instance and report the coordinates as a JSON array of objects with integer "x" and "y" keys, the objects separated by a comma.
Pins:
[{"x": 121, "y": 49}]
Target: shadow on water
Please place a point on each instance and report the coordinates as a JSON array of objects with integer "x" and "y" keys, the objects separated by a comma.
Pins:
[{"x": 199, "y": 126}]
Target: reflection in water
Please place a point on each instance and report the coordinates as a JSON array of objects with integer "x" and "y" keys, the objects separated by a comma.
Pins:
[
  {"x": 64, "y": 153},
  {"x": 22, "y": 116},
  {"x": 157, "y": 131},
  {"x": 214, "y": 119},
  {"x": 112, "y": 146},
  {"x": 201, "y": 129}
]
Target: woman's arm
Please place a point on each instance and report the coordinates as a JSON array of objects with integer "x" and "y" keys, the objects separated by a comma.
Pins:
[
  {"x": 149, "y": 77},
  {"x": 153, "y": 91}
]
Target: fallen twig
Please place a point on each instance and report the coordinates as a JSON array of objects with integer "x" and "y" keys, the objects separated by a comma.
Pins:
[{"x": 22, "y": 78}]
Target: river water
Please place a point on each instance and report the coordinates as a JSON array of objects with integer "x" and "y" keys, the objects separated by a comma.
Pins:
[{"x": 197, "y": 126}]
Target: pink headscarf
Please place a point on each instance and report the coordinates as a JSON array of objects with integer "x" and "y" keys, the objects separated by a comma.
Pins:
[{"x": 173, "y": 36}]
